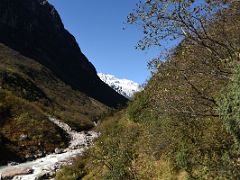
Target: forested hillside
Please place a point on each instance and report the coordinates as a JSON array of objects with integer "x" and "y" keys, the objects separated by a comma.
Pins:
[{"x": 185, "y": 124}]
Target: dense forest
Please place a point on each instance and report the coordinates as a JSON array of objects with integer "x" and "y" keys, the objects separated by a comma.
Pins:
[{"x": 186, "y": 122}]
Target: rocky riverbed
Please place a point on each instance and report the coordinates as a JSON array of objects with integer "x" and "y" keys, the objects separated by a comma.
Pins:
[{"x": 46, "y": 167}]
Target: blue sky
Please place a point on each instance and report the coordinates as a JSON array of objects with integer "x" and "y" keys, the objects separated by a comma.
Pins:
[{"x": 98, "y": 27}]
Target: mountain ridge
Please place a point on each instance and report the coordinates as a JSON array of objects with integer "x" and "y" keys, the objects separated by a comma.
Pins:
[
  {"x": 34, "y": 28},
  {"x": 29, "y": 93},
  {"x": 44, "y": 73},
  {"x": 124, "y": 87}
]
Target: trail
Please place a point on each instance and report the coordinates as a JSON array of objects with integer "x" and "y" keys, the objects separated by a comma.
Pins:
[{"x": 48, "y": 165}]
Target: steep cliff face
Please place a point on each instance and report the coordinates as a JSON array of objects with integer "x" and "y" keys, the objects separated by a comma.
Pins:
[{"x": 34, "y": 28}]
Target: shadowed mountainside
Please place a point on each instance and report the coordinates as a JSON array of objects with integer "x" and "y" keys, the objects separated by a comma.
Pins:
[
  {"x": 34, "y": 28},
  {"x": 44, "y": 73},
  {"x": 29, "y": 93}
]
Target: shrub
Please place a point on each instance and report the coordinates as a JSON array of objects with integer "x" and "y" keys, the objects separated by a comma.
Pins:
[{"x": 229, "y": 106}]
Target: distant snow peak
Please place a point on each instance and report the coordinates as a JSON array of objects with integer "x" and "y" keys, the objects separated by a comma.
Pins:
[{"x": 123, "y": 86}]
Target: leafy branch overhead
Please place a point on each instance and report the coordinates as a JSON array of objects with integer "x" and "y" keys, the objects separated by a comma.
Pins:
[{"x": 166, "y": 20}]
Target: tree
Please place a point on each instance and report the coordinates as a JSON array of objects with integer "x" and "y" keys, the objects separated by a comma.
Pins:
[
  {"x": 164, "y": 20},
  {"x": 183, "y": 93},
  {"x": 203, "y": 61},
  {"x": 229, "y": 106}
]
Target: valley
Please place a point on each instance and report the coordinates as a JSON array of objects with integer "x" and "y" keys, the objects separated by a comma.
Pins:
[{"x": 61, "y": 119}]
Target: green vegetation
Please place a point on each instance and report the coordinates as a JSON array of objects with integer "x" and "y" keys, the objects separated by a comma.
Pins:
[
  {"x": 185, "y": 124},
  {"x": 29, "y": 93},
  {"x": 31, "y": 81},
  {"x": 21, "y": 118},
  {"x": 229, "y": 106}
]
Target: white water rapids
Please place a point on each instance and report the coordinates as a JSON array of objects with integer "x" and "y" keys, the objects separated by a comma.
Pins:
[{"x": 78, "y": 144}]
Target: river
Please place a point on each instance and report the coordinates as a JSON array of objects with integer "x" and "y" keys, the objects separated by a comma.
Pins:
[{"x": 80, "y": 141}]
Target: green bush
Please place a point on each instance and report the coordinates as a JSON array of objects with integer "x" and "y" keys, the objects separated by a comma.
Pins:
[
  {"x": 75, "y": 171},
  {"x": 229, "y": 106},
  {"x": 135, "y": 107}
]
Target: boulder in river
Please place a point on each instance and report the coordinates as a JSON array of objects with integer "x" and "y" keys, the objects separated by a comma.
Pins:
[
  {"x": 9, "y": 174},
  {"x": 59, "y": 151},
  {"x": 44, "y": 175},
  {"x": 12, "y": 163},
  {"x": 29, "y": 157}
]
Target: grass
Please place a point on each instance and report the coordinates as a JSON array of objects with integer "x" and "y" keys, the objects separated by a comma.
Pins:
[
  {"x": 19, "y": 117},
  {"x": 122, "y": 152},
  {"x": 29, "y": 93},
  {"x": 173, "y": 129}
]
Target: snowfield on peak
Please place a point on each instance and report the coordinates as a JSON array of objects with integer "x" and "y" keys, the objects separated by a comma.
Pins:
[{"x": 124, "y": 87}]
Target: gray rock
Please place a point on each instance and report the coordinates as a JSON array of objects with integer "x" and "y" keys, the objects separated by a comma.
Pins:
[
  {"x": 88, "y": 142},
  {"x": 29, "y": 157},
  {"x": 23, "y": 137},
  {"x": 15, "y": 172},
  {"x": 58, "y": 151},
  {"x": 40, "y": 154},
  {"x": 88, "y": 134},
  {"x": 12, "y": 163},
  {"x": 42, "y": 175}
]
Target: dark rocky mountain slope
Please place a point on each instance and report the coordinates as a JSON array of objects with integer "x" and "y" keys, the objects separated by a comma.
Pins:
[
  {"x": 29, "y": 93},
  {"x": 44, "y": 73},
  {"x": 34, "y": 28}
]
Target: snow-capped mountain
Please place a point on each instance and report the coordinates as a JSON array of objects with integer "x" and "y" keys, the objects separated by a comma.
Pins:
[{"x": 123, "y": 86}]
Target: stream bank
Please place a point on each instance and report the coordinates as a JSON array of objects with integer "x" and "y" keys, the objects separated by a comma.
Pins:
[{"x": 46, "y": 167}]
